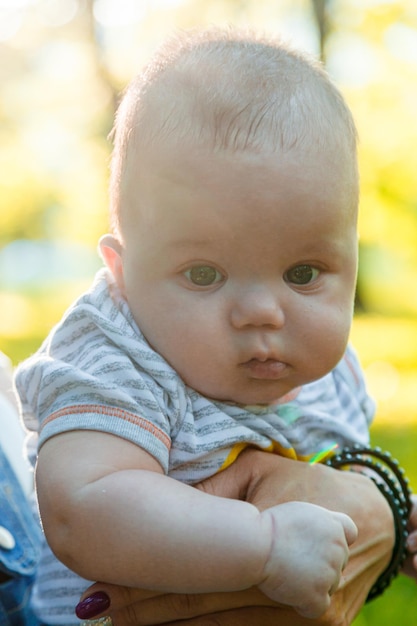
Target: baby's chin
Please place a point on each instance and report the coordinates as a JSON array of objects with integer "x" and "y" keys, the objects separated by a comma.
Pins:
[
  {"x": 243, "y": 392},
  {"x": 250, "y": 399}
]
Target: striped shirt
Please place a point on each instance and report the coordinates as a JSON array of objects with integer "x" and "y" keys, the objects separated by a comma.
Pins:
[{"x": 96, "y": 371}]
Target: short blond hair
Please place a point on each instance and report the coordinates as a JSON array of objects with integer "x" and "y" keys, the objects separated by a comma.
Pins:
[{"x": 231, "y": 90}]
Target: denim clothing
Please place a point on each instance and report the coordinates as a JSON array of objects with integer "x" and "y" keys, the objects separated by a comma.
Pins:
[{"x": 18, "y": 562}]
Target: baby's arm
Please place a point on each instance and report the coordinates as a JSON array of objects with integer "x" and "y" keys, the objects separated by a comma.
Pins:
[{"x": 99, "y": 490}]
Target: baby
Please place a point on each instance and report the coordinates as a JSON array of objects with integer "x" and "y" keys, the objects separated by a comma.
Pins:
[{"x": 220, "y": 322}]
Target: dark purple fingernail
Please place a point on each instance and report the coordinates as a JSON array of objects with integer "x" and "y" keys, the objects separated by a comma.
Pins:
[{"x": 92, "y": 605}]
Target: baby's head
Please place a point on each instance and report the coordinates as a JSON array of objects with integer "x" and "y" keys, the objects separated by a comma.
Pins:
[
  {"x": 234, "y": 193},
  {"x": 227, "y": 90}
]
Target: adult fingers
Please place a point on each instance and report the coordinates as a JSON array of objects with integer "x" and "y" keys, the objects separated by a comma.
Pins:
[
  {"x": 248, "y": 616},
  {"x": 101, "y": 599},
  {"x": 133, "y": 607}
]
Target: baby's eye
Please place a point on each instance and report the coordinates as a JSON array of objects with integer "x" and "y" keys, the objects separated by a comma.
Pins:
[
  {"x": 301, "y": 274},
  {"x": 204, "y": 275}
]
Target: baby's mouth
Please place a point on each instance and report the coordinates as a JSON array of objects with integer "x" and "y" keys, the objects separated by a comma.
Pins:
[{"x": 266, "y": 369}]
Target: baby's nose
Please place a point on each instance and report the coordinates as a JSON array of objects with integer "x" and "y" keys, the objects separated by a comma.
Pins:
[{"x": 257, "y": 307}]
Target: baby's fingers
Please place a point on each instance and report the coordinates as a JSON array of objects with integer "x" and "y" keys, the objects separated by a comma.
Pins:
[
  {"x": 314, "y": 610},
  {"x": 349, "y": 527}
]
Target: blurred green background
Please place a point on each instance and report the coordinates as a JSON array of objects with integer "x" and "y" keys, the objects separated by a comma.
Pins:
[{"x": 63, "y": 65}]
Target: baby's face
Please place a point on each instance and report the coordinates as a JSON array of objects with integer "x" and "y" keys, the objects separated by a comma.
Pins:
[{"x": 240, "y": 268}]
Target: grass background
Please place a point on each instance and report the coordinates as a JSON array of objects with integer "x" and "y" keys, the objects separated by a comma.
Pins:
[{"x": 389, "y": 346}]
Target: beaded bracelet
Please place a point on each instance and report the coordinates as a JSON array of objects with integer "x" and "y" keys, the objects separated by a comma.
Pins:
[{"x": 393, "y": 484}]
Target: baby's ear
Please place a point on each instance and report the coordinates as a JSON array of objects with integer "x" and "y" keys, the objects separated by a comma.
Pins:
[{"x": 110, "y": 250}]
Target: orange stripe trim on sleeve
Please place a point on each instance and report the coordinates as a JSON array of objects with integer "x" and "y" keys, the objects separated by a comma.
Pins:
[{"x": 113, "y": 412}]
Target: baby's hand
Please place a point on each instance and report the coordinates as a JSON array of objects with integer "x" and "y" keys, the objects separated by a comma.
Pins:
[
  {"x": 410, "y": 565},
  {"x": 309, "y": 551}
]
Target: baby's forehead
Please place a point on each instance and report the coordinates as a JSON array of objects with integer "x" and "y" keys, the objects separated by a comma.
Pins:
[
  {"x": 201, "y": 193},
  {"x": 237, "y": 95}
]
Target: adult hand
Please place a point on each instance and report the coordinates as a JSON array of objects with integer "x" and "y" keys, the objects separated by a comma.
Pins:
[
  {"x": 410, "y": 565},
  {"x": 266, "y": 480}
]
